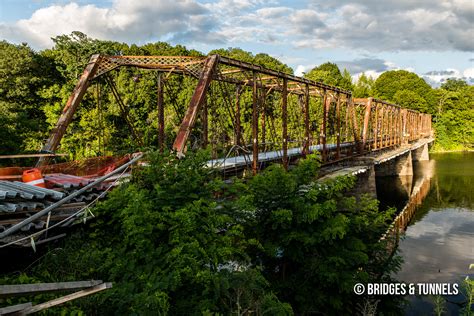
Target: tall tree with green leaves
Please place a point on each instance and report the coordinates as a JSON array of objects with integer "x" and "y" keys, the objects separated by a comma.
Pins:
[
  {"x": 330, "y": 74},
  {"x": 24, "y": 74},
  {"x": 364, "y": 86},
  {"x": 420, "y": 95}
]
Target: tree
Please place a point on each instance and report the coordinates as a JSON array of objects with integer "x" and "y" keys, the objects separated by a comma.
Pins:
[
  {"x": 312, "y": 237},
  {"x": 411, "y": 100},
  {"x": 330, "y": 74},
  {"x": 364, "y": 87},
  {"x": 346, "y": 82},
  {"x": 453, "y": 84},
  {"x": 24, "y": 74},
  {"x": 327, "y": 73},
  {"x": 390, "y": 82},
  {"x": 454, "y": 119}
]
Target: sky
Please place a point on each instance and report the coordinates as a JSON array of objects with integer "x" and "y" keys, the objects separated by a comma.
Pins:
[{"x": 433, "y": 38}]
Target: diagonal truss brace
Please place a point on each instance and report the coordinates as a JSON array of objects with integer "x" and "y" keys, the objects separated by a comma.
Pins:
[{"x": 195, "y": 104}]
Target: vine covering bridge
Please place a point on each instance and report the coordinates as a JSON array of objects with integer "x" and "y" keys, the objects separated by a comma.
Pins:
[{"x": 251, "y": 115}]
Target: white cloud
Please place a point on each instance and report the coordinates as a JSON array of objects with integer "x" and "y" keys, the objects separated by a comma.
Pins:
[
  {"x": 437, "y": 77},
  {"x": 300, "y": 70},
  {"x": 362, "y": 25},
  {"x": 418, "y": 25},
  {"x": 468, "y": 73},
  {"x": 129, "y": 21}
]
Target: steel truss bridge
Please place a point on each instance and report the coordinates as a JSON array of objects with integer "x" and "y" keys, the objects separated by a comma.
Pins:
[{"x": 261, "y": 116}]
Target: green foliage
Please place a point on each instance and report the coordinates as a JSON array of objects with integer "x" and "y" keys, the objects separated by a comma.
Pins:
[
  {"x": 23, "y": 75},
  {"x": 452, "y": 105},
  {"x": 468, "y": 287},
  {"x": 452, "y": 84},
  {"x": 177, "y": 240},
  {"x": 364, "y": 87},
  {"x": 411, "y": 100},
  {"x": 454, "y": 118},
  {"x": 261, "y": 59},
  {"x": 312, "y": 237},
  {"x": 330, "y": 74},
  {"x": 390, "y": 82}
]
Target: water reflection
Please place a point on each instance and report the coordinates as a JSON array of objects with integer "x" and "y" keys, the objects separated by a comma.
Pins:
[{"x": 438, "y": 245}]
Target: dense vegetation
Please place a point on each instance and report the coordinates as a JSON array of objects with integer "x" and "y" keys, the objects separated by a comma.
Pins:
[{"x": 177, "y": 240}]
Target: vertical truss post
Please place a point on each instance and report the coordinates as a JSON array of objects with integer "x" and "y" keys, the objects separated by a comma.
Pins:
[
  {"x": 390, "y": 126},
  {"x": 205, "y": 124},
  {"x": 376, "y": 126},
  {"x": 161, "y": 114},
  {"x": 365, "y": 129},
  {"x": 284, "y": 113},
  {"x": 382, "y": 126},
  {"x": 338, "y": 126},
  {"x": 68, "y": 112},
  {"x": 254, "y": 124},
  {"x": 404, "y": 116},
  {"x": 398, "y": 139},
  {"x": 355, "y": 125},
  {"x": 429, "y": 124},
  {"x": 322, "y": 135},
  {"x": 195, "y": 104},
  {"x": 237, "y": 117},
  {"x": 395, "y": 115},
  {"x": 263, "y": 106},
  {"x": 306, "y": 122}
]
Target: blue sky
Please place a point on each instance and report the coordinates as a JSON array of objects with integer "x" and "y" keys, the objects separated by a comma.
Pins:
[{"x": 434, "y": 38}]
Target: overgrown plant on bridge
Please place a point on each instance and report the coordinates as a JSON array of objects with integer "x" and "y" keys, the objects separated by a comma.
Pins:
[{"x": 177, "y": 240}]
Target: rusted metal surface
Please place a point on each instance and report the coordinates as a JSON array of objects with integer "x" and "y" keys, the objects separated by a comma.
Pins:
[
  {"x": 284, "y": 109},
  {"x": 161, "y": 113},
  {"x": 306, "y": 121},
  {"x": 254, "y": 124},
  {"x": 195, "y": 104}
]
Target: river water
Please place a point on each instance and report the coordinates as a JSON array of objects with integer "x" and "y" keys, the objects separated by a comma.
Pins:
[{"x": 438, "y": 244}]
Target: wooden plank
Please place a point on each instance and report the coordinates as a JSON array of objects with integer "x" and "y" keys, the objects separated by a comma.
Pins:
[
  {"x": 22, "y": 289},
  {"x": 67, "y": 298},
  {"x": 14, "y": 308}
]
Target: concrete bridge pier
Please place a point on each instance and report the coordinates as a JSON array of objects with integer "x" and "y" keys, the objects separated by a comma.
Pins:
[
  {"x": 365, "y": 183},
  {"x": 401, "y": 165},
  {"x": 421, "y": 153}
]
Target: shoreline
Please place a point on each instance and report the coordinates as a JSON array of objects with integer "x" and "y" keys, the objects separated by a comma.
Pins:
[{"x": 452, "y": 151}]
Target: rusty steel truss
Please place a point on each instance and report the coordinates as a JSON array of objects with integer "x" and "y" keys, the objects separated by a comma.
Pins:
[{"x": 341, "y": 126}]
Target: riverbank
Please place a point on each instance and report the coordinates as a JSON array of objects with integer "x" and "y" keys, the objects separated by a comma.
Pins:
[{"x": 443, "y": 151}]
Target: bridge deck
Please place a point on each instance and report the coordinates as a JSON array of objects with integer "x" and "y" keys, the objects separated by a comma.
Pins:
[{"x": 242, "y": 161}]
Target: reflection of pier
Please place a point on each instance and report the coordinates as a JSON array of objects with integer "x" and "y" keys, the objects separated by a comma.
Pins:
[{"x": 416, "y": 194}]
